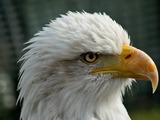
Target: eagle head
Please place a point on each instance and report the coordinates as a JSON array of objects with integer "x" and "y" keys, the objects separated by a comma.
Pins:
[{"x": 77, "y": 68}]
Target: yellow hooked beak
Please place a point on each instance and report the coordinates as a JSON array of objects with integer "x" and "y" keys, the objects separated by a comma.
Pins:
[{"x": 132, "y": 63}]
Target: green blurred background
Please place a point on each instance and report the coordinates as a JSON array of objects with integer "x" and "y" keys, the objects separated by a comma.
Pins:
[{"x": 20, "y": 19}]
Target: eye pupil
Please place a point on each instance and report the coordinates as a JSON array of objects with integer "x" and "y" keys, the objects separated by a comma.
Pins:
[{"x": 91, "y": 56}]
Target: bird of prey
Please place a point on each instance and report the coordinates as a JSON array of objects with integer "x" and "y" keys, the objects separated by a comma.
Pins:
[{"x": 78, "y": 67}]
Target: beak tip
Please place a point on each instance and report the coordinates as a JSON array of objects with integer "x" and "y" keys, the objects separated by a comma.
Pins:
[
  {"x": 154, "y": 87},
  {"x": 154, "y": 83},
  {"x": 154, "y": 90}
]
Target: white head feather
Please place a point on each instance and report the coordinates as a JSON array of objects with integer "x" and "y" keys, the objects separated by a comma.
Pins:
[{"x": 55, "y": 84}]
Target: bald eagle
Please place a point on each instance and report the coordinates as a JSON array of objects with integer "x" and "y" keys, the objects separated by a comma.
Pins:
[{"x": 78, "y": 67}]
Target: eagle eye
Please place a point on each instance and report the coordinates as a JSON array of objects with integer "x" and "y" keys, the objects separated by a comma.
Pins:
[{"x": 90, "y": 57}]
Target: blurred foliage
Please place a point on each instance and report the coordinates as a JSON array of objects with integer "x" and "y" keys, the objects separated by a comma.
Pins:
[
  {"x": 21, "y": 19},
  {"x": 146, "y": 114}
]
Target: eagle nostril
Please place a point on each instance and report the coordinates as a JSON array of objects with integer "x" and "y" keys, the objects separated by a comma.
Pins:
[{"x": 128, "y": 56}]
